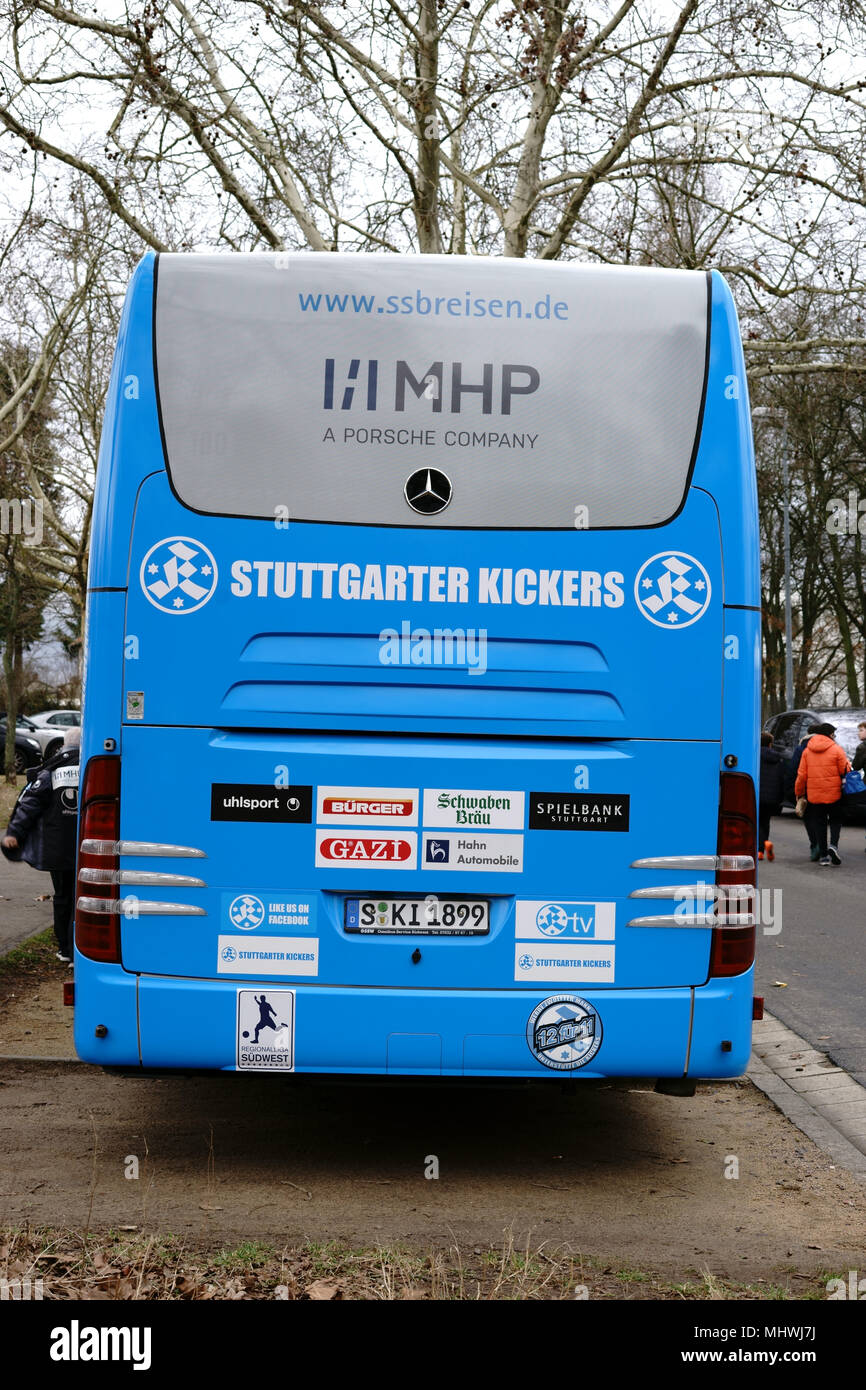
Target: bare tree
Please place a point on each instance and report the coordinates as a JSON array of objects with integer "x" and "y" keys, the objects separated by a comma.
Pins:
[
  {"x": 528, "y": 128},
  {"x": 707, "y": 133}
]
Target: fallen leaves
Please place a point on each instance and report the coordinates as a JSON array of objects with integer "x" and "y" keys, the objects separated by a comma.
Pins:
[{"x": 323, "y": 1289}]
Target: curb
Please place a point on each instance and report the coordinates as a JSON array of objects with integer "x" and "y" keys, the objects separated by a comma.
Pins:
[{"x": 821, "y": 1099}]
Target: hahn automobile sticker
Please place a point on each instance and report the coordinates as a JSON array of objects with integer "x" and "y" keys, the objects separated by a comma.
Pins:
[
  {"x": 260, "y": 802},
  {"x": 469, "y": 853},
  {"x": 564, "y": 963},
  {"x": 491, "y": 810},
  {"x": 564, "y": 1032},
  {"x": 265, "y": 1038},
  {"x": 553, "y": 920},
  {"x": 248, "y": 911},
  {"x": 367, "y": 805},
  {"x": 179, "y": 575},
  {"x": 562, "y": 811},
  {"x": 371, "y": 850},
  {"x": 268, "y": 955}
]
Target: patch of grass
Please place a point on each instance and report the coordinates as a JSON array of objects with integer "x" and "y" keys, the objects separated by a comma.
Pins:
[
  {"x": 247, "y": 1254},
  {"x": 631, "y": 1276},
  {"x": 31, "y": 957},
  {"x": 328, "y": 1257},
  {"x": 135, "y": 1265}
]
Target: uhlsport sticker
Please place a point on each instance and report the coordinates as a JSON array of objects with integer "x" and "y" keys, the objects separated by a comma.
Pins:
[
  {"x": 672, "y": 589},
  {"x": 370, "y": 850},
  {"x": 260, "y": 801},
  {"x": 546, "y": 919},
  {"x": 265, "y": 1039},
  {"x": 564, "y": 964},
  {"x": 491, "y": 810},
  {"x": 367, "y": 806},
  {"x": 268, "y": 955},
  {"x": 564, "y": 1032},
  {"x": 178, "y": 575},
  {"x": 565, "y": 811},
  {"x": 468, "y": 853}
]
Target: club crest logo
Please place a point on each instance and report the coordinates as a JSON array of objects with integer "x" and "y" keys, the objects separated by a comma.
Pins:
[
  {"x": 247, "y": 912},
  {"x": 564, "y": 1032},
  {"x": 672, "y": 589},
  {"x": 178, "y": 575}
]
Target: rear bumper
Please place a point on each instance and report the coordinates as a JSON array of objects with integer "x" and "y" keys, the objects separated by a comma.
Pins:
[{"x": 165, "y": 1022}]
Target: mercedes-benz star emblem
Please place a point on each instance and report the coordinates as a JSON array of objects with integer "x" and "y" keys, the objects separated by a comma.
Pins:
[{"x": 428, "y": 491}]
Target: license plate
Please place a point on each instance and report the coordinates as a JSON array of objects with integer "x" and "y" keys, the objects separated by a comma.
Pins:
[{"x": 429, "y": 916}]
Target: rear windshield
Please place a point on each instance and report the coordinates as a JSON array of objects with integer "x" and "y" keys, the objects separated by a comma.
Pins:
[{"x": 312, "y": 387}]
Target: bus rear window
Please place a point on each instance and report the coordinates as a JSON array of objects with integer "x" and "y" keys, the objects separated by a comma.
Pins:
[{"x": 316, "y": 387}]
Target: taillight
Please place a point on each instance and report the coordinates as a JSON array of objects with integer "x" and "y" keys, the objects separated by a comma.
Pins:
[
  {"x": 97, "y": 934},
  {"x": 733, "y": 949}
]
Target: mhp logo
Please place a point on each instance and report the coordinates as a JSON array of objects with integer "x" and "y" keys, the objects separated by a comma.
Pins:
[{"x": 353, "y": 384}]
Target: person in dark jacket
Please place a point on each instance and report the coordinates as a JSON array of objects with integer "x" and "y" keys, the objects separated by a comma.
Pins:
[
  {"x": 41, "y": 832},
  {"x": 770, "y": 792}
]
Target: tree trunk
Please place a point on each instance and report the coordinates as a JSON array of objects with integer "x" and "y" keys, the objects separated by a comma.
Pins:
[
  {"x": 427, "y": 123},
  {"x": 11, "y": 667}
]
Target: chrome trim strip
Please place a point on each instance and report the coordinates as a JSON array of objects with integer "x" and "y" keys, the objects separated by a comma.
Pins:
[
  {"x": 133, "y": 907},
  {"x": 727, "y": 862},
  {"x": 677, "y": 890},
  {"x": 151, "y": 848},
  {"x": 145, "y": 877},
  {"x": 707, "y": 920}
]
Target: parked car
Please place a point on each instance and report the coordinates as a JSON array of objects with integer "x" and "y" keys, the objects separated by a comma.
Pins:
[
  {"x": 28, "y": 750},
  {"x": 49, "y": 738},
  {"x": 790, "y": 726},
  {"x": 56, "y": 718}
]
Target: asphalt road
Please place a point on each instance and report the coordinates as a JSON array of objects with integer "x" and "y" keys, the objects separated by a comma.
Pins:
[
  {"x": 21, "y": 915},
  {"x": 819, "y": 956}
]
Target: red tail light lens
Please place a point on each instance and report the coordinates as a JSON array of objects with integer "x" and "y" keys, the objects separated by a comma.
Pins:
[
  {"x": 733, "y": 948},
  {"x": 97, "y": 934}
]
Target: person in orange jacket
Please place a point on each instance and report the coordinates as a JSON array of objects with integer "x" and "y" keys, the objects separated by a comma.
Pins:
[{"x": 819, "y": 778}]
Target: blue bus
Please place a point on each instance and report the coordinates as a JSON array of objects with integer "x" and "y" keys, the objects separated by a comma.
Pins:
[{"x": 421, "y": 699}]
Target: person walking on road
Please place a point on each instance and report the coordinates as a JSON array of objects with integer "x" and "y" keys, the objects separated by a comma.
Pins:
[
  {"x": 41, "y": 832},
  {"x": 770, "y": 790},
  {"x": 819, "y": 779},
  {"x": 791, "y": 781}
]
